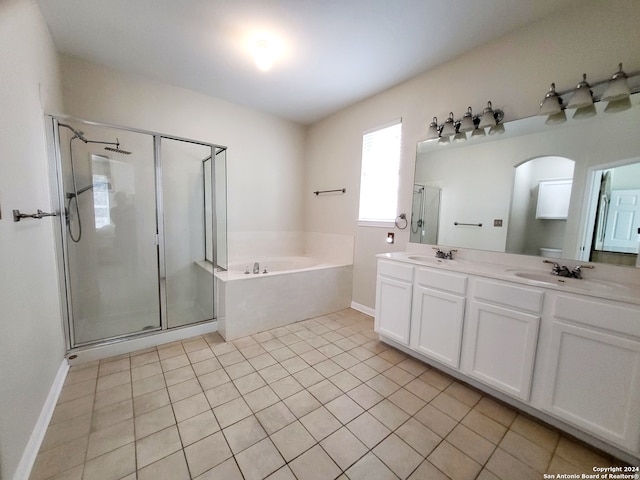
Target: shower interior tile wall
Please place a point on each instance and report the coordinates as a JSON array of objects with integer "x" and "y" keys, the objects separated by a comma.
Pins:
[{"x": 318, "y": 399}]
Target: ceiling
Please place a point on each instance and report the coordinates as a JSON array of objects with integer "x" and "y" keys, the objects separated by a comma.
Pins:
[{"x": 331, "y": 53}]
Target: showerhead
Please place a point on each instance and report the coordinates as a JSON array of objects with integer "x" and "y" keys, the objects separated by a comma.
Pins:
[{"x": 117, "y": 148}]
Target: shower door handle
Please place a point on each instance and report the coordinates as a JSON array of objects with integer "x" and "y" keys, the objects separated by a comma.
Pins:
[{"x": 156, "y": 240}]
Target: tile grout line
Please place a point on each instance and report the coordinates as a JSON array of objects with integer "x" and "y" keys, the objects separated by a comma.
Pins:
[{"x": 303, "y": 341}]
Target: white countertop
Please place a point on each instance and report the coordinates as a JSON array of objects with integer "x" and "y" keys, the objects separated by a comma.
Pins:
[{"x": 526, "y": 275}]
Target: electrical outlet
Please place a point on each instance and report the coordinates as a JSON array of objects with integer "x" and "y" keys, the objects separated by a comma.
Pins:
[
  {"x": 390, "y": 237},
  {"x": 497, "y": 222}
]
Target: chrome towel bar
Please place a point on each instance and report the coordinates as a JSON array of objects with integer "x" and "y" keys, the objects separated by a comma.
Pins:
[
  {"x": 341, "y": 190},
  {"x": 468, "y": 224},
  {"x": 17, "y": 216}
]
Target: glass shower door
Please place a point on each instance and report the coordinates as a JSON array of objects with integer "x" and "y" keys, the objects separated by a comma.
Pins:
[
  {"x": 108, "y": 183},
  {"x": 188, "y": 278}
]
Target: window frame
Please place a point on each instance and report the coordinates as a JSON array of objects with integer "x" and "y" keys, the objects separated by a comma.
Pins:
[{"x": 380, "y": 222}]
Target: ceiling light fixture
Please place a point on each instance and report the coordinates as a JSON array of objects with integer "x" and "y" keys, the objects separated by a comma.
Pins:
[
  {"x": 449, "y": 128},
  {"x": 582, "y": 95},
  {"x": 488, "y": 118},
  {"x": 433, "y": 133},
  {"x": 615, "y": 90},
  {"x": 466, "y": 124},
  {"x": 551, "y": 103},
  {"x": 478, "y": 132},
  {"x": 456, "y": 130},
  {"x": 460, "y": 137},
  {"x": 497, "y": 129},
  {"x": 618, "y": 88},
  {"x": 263, "y": 55}
]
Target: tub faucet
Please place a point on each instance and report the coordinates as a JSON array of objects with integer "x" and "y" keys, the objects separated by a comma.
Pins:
[{"x": 256, "y": 267}]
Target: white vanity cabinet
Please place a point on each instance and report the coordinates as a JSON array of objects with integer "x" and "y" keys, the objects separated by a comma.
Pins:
[
  {"x": 437, "y": 314},
  {"x": 394, "y": 287},
  {"x": 593, "y": 374},
  {"x": 501, "y": 335},
  {"x": 568, "y": 358}
]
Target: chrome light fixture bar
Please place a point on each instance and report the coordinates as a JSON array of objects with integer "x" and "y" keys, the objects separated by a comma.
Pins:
[
  {"x": 615, "y": 90},
  {"x": 453, "y": 130}
]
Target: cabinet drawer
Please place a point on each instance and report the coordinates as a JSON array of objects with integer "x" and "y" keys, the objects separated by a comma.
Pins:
[
  {"x": 448, "y": 282},
  {"x": 399, "y": 271},
  {"x": 522, "y": 298},
  {"x": 617, "y": 318}
]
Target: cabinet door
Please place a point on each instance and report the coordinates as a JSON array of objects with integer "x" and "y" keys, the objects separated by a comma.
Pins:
[
  {"x": 393, "y": 308},
  {"x": 553, "y": 199},
  {"x": 436, "y": 324},
  {"x": 594, "y": 382},
  {"x": 501, "y": 348}
]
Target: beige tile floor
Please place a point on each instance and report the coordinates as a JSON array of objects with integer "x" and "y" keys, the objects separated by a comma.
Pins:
[{"x": 319, "y": 399}]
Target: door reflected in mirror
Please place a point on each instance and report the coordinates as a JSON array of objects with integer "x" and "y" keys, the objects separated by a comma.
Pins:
[
  {"x": 543, "y": 190},
  {"x": 616, "y": 222}
]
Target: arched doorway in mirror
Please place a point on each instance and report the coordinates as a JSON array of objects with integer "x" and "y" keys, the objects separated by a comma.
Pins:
[{"x": 539, "y": 206}]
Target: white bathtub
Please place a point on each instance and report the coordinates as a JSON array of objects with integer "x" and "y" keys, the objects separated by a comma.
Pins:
[
  {"x": 277, "y": 265},
  {"x": 294, "y": 288}
]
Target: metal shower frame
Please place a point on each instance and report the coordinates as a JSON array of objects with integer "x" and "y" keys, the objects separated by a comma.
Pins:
[{"x": 59, "y": 197}]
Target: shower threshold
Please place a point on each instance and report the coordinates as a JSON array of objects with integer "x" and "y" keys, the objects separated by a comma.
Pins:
[{"x": 130, "y": 343}]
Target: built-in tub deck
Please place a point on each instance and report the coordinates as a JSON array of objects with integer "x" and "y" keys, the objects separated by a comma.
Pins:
[{"x": 293, "y": 289}]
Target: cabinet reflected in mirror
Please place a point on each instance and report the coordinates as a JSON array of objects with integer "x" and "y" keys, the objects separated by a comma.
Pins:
[{"x": 489, "y": 189}]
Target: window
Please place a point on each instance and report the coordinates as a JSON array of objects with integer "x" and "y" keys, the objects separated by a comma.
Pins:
[
  {"x": 101, "y": 200},
  {"x": 380, "y": 175}
]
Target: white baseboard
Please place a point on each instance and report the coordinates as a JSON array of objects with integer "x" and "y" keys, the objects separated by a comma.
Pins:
[
  {"x": 37, "y": 435},
  {"x": 364, "y": 309}
]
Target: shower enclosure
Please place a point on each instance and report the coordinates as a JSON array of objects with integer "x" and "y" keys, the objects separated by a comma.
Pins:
[
  {"x": 142, "y": 225},
  {"x": 425, "y": 210}
]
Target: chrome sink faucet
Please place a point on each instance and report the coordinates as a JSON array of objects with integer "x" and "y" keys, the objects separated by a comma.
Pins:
[
  {"x": 440, "y": 254},
  {"x": 577, "y": 271},
  {"x": 443, "y": 255},
  {"x": 563, "y": 271}
]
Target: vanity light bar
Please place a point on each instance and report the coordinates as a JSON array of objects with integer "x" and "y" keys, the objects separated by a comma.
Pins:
[
  {"x": 456, "y": 130},
  {"x": 615, "y": 90}
]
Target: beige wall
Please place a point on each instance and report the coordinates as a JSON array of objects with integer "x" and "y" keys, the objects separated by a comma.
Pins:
[
  {"x": 265, "y": 155},
  {"x": 513, "y": 72},
  {"x": 268, "y": 158},
  {"x": 31, "y": 342}
]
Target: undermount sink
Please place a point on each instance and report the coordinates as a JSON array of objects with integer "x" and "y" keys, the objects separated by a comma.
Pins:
[
  {"x": 538, "y": 277},
  {"x": 550, "y": 279}
]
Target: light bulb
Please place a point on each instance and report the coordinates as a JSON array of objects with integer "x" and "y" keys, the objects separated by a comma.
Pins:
[{"x": 263, "y": 56}]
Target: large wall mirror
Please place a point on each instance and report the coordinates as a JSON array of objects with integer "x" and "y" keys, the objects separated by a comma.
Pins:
[{"x": 569, "y": 190}]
